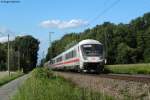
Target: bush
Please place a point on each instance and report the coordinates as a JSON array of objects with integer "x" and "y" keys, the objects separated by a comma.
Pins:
[{"x": 42, "y": 73}]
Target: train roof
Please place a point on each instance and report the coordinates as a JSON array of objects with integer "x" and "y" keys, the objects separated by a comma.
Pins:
[{"x": 89, "y": 41}]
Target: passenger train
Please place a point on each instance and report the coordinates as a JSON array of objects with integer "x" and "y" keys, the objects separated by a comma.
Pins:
[{"x": 86, "y": 56}]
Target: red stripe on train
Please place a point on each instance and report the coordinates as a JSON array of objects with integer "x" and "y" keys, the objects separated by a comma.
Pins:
[
  {"x": 68, "y": 62},
  {"x": 72, "y": 61}
]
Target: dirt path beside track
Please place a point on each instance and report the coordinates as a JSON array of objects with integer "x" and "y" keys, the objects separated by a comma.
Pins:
[
  {"x": 9, "y": 89},
  {"x": 120, "y": 89}
]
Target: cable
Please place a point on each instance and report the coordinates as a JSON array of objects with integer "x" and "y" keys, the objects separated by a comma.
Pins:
[{"x": 103, "y": 12}]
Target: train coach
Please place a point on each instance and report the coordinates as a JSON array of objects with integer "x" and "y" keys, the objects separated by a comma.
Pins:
[{"x": 86, "y": 56}]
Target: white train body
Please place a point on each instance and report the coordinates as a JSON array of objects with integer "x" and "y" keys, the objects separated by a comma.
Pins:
[{"x": 87, "y": 55}]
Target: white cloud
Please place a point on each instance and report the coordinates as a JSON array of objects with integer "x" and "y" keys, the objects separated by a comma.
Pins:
[
  {"x": 4, "y": 31},
  {"x": 74, "y": 23},
  {"x": 3, "y": 34},
  {"x": 5, "y": 39}
]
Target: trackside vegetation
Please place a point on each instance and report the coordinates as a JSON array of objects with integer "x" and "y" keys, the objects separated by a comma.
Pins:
[
  {"x": 128, "y": 69},
  {"x": 8, "y": 78},
  {"x": 45, "y": 85}
]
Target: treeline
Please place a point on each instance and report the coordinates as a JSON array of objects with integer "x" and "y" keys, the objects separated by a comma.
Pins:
[
  {"x": 124, "y": 43},
  {"x": 23, "y": 54}
]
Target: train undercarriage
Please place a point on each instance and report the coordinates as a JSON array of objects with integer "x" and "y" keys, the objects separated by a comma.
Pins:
[{"x": 93, "y": 67}]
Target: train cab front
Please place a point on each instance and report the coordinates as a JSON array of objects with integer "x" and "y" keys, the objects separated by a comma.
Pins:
[{"x": 93, "y": 59}]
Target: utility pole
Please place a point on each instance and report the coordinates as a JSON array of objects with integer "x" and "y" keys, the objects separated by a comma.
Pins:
[
  {"x": 50, "y": 43},
  {"x": 18, "y": 60},
  {"x": 105, "y": 45},
  {"x": 8, "y": 62}
]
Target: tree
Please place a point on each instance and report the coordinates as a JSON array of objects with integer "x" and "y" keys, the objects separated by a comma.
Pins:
[
  {"x": 28, "y": 48},
  {"x": 3, "y": 56},
  {"x": 146, "y": 54},
  {"x": 125, "y": 54}
]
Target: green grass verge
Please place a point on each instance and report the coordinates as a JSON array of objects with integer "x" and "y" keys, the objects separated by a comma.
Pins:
[
  {"x": 128, "y": 69},
  {"x": 8, "y": 78},
  {"x": 44, "y": 85}
]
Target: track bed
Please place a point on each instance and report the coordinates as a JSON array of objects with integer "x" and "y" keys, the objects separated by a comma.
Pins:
[{"x": 119, "y": 86}]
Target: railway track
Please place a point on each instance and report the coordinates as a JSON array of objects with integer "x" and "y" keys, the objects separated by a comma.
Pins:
[
  {"x": 116, "y": 85},
  {"x": 127, "y": 77},
  {"x": 136, "y": 78}
]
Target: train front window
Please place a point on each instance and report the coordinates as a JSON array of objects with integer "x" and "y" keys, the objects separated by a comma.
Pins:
[{"x": 92, "y": 49}]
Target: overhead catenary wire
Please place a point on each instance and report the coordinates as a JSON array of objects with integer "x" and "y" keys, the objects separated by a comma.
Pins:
[{"x": 102, "y": 12}]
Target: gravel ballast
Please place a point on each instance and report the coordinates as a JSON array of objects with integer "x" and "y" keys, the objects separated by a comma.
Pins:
[{"x": 119, "y": 89}]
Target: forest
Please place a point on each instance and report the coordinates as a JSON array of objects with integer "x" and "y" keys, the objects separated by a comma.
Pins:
[
  {"x": 23, "y": 54},
  {"x": 124, "y": 43}
]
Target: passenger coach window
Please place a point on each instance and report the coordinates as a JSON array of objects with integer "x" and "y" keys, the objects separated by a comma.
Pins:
[
  {"x": 53, "y": 61},
  {"x": 74, "y": 53},
  {"x": 59, "y": 59},
  {"x": 71, "y": 54}
]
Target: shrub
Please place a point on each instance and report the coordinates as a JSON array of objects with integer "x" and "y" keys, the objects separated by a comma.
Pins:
[{"x": 42, "y": 73}]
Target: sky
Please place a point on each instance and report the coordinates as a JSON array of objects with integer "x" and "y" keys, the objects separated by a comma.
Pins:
[{"x": 39, "y": 17}]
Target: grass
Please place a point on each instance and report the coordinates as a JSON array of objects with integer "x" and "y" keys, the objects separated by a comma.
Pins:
[
  {"x": 6, "y": 78},
  {"x": 3, "y": 73},
  {"x": 44, "y": 85},
  {"x": 128, "y": 69}
]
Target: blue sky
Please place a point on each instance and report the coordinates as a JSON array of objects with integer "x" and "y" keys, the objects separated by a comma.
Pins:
[{"x": 38, "y": 17}]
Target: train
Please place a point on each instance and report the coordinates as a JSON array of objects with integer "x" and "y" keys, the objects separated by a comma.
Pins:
[{"x": 86, "y": 56}]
